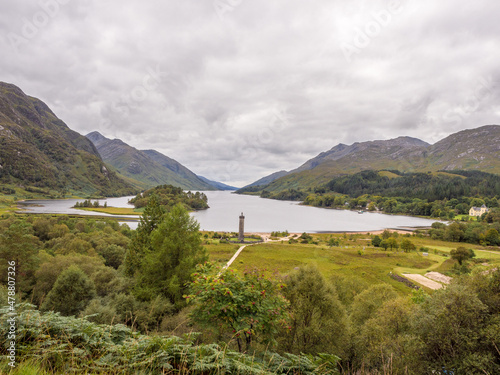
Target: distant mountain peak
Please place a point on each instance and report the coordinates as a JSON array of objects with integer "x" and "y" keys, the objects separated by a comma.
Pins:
[
  {"x": 96, "y": 138},
  {"x": 149, "y": 167},
  {"x": 469, "y": 149}
]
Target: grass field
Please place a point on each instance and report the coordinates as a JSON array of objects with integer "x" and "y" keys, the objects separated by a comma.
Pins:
[
  {"x": 353, "y": 258},
  {"x": 220, "y": 252},
  {"x": 6, "y": 205},
  {"x": 465, "y": 218},
  {"x": 113, "y": 210}
]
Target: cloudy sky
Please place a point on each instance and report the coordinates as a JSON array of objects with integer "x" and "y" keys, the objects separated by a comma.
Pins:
[{"x": 238, "y": 89}]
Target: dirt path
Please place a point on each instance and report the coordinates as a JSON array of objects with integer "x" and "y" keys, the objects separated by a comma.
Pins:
[
  {"x": 234, "y": 257},
  {"x": 265, "y": 237}
]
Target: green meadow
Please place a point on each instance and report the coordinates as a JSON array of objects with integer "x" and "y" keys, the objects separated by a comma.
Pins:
[{"x": 354, "y": 257}]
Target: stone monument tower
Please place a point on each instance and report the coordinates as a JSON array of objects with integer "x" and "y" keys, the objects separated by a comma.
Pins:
[{"x": 241, "y": 234}]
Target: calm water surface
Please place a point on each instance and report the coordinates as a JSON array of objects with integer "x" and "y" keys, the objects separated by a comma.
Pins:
[
  {"x": 261, "y": 215},
  {"x": 65, "y": 206},
  {"x": 267, "y": 215}
]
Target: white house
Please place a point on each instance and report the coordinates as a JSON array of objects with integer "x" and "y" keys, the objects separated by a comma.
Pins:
[{"x": 478, "y": 211}]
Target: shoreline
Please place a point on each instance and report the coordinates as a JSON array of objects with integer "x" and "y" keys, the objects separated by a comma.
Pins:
[{"x": 374, "y": 232}]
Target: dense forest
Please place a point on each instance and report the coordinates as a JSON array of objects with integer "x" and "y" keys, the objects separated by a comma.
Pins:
[
  {"x": 169, "y": 196},
  {"x": 441, "y": 195},
  {"x": 156, "y": 281},
  {"x": 428, "y": 186}
]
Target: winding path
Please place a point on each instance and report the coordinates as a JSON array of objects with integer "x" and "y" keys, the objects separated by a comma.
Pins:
[{"x": 234, "y": 257}]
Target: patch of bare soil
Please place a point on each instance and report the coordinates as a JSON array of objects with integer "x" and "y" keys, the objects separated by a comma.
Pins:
[
  {"x": 422, "y": 280},
  {"x": 436, "y": 276}
]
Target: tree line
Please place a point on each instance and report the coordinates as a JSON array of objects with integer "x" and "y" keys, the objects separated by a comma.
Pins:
[
  {"x": 426, "y": 186},
  {"x": 441, "y": 195}
]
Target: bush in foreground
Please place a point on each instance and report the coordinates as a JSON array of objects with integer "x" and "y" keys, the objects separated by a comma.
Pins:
[{"x": 75, "y": 345}]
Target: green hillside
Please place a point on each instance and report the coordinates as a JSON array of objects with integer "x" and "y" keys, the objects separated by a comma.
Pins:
[{"x": 38, "y": 150}]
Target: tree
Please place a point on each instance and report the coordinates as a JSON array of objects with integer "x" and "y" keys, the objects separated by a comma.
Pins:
[
  {"x": 71, "y": 292},
  {"x": 50, "y": 269},
  {"x": 461, "y": 254},
  {"x": 376, "y": 241},
  {"x": 386, "y": 234},
  {"x": 112, "y": 254},
  {"x": 18, "y": 244},
  {"x": 332, "y": 241},
  {"x": 392, "y": 243},
  {"x": 450, "y": 328},
  {"x": 248, "y": 306},
  {"x": 384, "y": 244},
  {"x": 407, "y": 245},
  {"x": 318, "y": 321},
  {"x": 477, "y": 202},
  {"x": 366, "y": 304},
  {"x": 141, "y": 243},
  {"x": 454, "y": 232},
  {"x": 175, "y": 250},
  {"x": 384, "y": 337},
  {"x": 492, "y": 237}
]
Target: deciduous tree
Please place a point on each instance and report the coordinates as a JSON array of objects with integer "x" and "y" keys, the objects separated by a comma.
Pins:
[
  {"x": 248, "y": 306},
  {"x": 18, "y": 244},
  {"x": 318, "y": 321},
  {"x": 461, "y": 254},
  {"x": 71, "y": 292}
]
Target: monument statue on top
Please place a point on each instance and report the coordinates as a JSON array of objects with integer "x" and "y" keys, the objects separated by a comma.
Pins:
[{"x": 241, "y": 234}]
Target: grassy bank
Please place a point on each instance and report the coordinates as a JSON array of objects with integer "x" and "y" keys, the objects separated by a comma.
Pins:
[{"x": 114, "y": 210}]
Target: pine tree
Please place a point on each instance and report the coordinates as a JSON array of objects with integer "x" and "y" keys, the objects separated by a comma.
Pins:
[
  {"x": 141, "y": 243},
  {"x": 175, "y": 250}
]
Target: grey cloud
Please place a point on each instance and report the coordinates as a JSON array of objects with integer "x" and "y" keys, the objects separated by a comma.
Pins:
[{"x": 261, "y": 86}]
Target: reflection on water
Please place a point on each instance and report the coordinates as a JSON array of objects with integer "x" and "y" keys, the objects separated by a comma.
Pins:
[
  {"x": 261, "y": 215},
  {"x": 65, "y": 206},
  {"x": 266, "y": 215}
]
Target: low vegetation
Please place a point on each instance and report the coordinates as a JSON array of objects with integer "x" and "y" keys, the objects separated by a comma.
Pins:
[{"x": 107, "y": 299}]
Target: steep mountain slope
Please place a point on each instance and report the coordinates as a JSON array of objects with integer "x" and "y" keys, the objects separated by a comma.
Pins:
[
  {"x": 474, "y": 149},
  {"x": 365, "y": 153},
  {"x": 39, "y": 150},
  {"x": 149, "y": 167},
  {"x": 403, "y": 153}
]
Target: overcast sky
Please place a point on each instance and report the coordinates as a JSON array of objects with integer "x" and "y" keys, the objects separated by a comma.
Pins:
[{"x": 238, "y": 89}]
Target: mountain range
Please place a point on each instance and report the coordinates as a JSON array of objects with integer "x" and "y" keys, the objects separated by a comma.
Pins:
[
  {"x": 39, "y": 151},
  {"x": 472, "y": 149},
  {"x": 149, "y": 167}
]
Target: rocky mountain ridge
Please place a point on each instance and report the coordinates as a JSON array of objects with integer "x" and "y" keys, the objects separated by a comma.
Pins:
[
  {"x": 471, "y": 149},
  {"x": 149, "y": 167}
]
